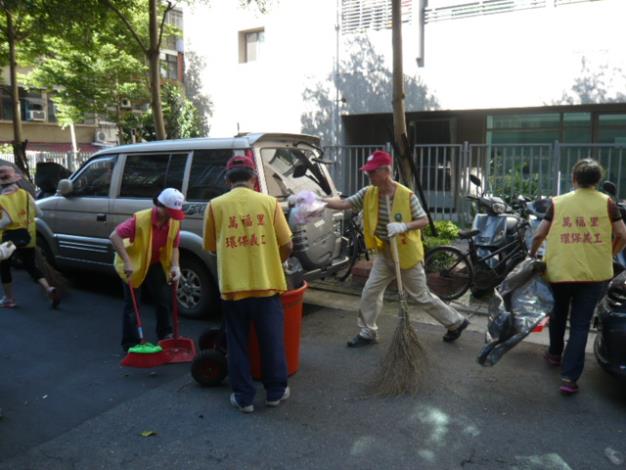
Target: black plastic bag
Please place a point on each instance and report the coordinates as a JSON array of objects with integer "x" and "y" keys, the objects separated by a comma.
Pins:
[{"x": 520, "y": 303}]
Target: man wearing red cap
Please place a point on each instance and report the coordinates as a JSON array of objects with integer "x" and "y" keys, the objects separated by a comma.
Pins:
[
  {"x": 251, "y": 237},
  {"x": 146, "y": 253},
  {"x": 405, "y": 221}
]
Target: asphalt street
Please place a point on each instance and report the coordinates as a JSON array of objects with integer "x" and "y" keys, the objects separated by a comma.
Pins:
[{"x": 66, "y": 402}]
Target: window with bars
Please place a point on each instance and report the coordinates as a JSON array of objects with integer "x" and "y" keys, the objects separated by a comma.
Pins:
[{"x": 362, "y": 15}]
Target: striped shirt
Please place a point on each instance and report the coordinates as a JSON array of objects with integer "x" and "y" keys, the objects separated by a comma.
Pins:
[{"x": 357, "y": 199}]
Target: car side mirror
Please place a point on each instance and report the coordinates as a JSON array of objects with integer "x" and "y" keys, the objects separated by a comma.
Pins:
[{"x": 65, "y": 187}]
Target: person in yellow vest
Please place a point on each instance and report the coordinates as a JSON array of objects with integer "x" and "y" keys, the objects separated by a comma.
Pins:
[
  {"x": 17, "y": 224},
  {"x": 583, "y": 230},
  {"x": 251, "y": 237},
  {"x": 146, "y": 254},
  {"x": 405, "y": 221}
]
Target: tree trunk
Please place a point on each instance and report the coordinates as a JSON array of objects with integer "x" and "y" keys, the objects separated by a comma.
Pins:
[
  {"x": 19, "y": 147},
  {"x": 399, "y": 118},
  {"x": 155, "y": 72}
]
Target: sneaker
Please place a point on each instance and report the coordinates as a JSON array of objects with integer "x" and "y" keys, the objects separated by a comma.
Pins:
[
  {"x": 274, "y": 403},
  {"x": 359, "y": 341},
  {"x": 243, "y": 409},
  {"x": 568, "y": 387},
  {"x": 7, "y": 303},
  {"x": 453, "y": 335},
  {"x": 552, "y": 359},
  {"x": 55, "y": 298}
]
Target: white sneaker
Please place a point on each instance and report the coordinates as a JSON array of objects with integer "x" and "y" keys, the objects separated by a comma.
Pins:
[
  {"x": 243, "y": 409},
  {"x": 275, "y": 403}
]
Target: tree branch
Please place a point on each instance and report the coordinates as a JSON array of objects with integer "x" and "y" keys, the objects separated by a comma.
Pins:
[
  {"x": 169, "y": 7},
  {"x": 127, "y": 23}
]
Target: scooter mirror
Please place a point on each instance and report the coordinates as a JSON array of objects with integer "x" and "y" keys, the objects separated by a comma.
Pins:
[
  {"x": 609, "y": 188},
  {"x": 476, "y": 180}
]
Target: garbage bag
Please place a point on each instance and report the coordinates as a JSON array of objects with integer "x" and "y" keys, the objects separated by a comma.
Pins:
[
  {"x": 520, "y": 303},
  {"x": 308, "y": 208}
]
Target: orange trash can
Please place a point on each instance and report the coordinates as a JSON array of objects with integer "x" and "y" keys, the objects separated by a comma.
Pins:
[{"x": 292, "y": 305}]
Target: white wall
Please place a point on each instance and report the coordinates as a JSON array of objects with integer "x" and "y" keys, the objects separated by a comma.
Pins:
[{"x": 520, "y": 59}]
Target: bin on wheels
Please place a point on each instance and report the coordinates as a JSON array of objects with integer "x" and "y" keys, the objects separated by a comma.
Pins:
[{"x": 292, "y": 305}]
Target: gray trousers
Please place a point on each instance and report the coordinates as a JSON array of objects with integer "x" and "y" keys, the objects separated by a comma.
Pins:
[{"x": 414, "y": 283}]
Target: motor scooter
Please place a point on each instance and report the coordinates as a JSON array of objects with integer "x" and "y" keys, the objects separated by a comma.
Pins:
[{"x": 497, "y": 227}]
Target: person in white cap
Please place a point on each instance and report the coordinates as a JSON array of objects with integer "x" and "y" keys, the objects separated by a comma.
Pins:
[{"x": 146, "y": 247}]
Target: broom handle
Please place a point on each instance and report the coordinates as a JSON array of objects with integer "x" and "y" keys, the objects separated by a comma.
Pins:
[
  {"x": 175, "y": 309},
  {"x": 393, "y": 242},
  {"x": 137, "y": 316}
]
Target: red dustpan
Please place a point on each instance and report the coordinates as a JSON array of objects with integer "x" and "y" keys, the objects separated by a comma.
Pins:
[
  {"x": 177, "y": 349},
  {"x": 144, "y": 355}
]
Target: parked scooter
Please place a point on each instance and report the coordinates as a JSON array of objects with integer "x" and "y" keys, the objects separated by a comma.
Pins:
[
  {"x": 500, "y": 229},
  {"x": 610, "y": 318}
]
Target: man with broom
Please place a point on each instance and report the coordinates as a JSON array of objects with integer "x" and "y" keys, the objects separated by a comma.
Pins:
[
  {"x": 405, "y": 221},
  {"x": 149, "y": 258},
  {"x": 251, "y": 237}
]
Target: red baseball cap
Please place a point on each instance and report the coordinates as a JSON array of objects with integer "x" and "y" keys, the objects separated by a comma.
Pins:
[
  {"x": 240, "y": 161},
  {"x": 376, "y": 160}
]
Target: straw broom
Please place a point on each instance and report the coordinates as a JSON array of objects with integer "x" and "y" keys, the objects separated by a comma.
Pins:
[{"x": 400, "y": 370}]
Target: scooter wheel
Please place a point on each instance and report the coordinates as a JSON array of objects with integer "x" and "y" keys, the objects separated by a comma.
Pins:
[
  {"x": 481, "y": 293},
  {"x": 210, "y": 339},
  {"x": 209, "y": 368}
]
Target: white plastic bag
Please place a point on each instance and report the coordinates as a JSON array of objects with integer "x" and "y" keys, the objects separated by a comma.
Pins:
[
  {"x": 308, "y": 207},
  {"x": 6, "y": 250}
]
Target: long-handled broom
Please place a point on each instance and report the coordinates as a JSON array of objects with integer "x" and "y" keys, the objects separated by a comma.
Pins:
[
  {"x": 144, "y": 355},
  {"x": 400, "y": 369}
]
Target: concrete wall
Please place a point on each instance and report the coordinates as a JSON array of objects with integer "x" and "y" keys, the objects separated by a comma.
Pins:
[{"x": 570, "y": 54}]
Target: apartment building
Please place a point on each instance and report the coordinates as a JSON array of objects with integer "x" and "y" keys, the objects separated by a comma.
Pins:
[
  {"x": 39, "y": 120},
  {"x": 481, "y": 71}
]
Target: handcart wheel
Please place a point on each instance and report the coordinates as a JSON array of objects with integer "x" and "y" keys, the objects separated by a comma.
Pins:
[
  {"x": 210, "y": 339},
  {"x": 209, "y": 368}
]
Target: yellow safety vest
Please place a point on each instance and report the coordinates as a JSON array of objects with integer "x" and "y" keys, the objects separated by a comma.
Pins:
[
  {"x": 248, "y": 256},
  {"x": 140, "y": 250},
  {"x": 410, "y": 248},
  {"x": 579, "y": 245},
  {"x": 15, "y": 205}
]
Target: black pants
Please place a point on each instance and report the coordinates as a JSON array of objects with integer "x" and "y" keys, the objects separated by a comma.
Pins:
[
  {"x": 28, "y": 258},
  {"x": 161, "y": 293}
]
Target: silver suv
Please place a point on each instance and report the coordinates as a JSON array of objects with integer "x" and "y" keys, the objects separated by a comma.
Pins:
[{"x": 116, "y": 182}]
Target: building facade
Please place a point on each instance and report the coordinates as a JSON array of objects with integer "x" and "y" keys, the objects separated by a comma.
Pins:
[{"x": 486, "y": 71}]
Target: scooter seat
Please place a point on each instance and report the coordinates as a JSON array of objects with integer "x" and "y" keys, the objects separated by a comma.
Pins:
[{"x": 466, "y": 234}]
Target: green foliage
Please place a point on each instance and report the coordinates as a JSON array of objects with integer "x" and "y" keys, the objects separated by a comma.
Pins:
[
  {"x": 515, "y": 181},
  {"x": 446, "y": 232}
]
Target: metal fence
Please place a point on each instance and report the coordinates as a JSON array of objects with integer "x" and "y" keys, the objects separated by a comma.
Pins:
[
  {"x": 507, "y": 170},
  {"x": 67, "y": 159}
]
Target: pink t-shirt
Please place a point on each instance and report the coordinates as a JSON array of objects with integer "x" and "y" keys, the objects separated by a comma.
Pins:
[{"x": 159, "y": 234}]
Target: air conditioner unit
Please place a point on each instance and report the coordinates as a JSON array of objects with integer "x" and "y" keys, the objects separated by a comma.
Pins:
[
  {"x": 125, "y": 103},
  {"x": 36, "y": 115},
  {"x": 106, "y": 135},
  {"x": 101, "y": 136}
]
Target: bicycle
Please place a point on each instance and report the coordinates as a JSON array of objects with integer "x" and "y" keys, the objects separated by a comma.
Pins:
[
  {"x": 355, "y": 243},
  {"x": 450, "y": 272}
]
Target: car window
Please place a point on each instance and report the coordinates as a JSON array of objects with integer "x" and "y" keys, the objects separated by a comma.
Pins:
[
  {"x": 206, "y": 179},
  {"x": 95, "y": 178},
  {"x": 279, "y": 164},
  {"x": 145, "y": 175}
]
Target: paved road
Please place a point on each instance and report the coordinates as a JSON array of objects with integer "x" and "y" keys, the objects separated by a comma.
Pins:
[{"x": 67, "y": 403}]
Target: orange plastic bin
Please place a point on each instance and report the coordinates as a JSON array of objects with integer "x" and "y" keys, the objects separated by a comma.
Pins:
[{"x": 292, "y": 305}]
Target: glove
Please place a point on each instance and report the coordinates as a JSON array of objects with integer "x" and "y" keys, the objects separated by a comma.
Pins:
[
  {"x": 6, "y": 250},
  {"x": 175, "y": 274},
  {"x": 396, "y": 228}
]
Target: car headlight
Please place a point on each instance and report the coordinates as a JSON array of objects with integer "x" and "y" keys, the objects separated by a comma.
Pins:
[{"x": 498, "y": 207}]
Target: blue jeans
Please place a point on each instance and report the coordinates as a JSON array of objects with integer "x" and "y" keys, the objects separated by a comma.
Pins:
[
  {"x": 576, "y": 300},
  {"x": 267, "y": 314}
]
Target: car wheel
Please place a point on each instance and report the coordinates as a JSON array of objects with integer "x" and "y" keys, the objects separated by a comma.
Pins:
[{"x": 197, "y": 293}]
